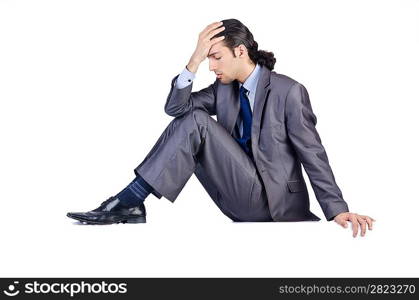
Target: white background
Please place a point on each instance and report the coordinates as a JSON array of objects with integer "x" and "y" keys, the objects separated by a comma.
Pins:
[{"x": 82, "y": 90}]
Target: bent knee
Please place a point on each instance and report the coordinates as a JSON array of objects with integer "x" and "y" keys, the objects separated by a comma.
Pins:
[{"x": 200, "y": 116}]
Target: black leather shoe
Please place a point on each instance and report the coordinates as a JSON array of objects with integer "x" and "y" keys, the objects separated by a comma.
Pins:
[{"x": 111, "y": 212}]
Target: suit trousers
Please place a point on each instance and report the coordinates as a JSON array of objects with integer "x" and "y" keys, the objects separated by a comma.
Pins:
[{"x": 195, "y": 143}]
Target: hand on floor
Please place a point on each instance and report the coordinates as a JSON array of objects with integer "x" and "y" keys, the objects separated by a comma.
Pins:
[{"x": 356, "y": 220}]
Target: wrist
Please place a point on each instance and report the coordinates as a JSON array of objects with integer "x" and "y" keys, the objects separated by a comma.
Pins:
[{"x": 192, "y": 66}]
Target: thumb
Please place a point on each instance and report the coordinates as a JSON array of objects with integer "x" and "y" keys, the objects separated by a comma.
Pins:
[{"x": 342, "y": 223}]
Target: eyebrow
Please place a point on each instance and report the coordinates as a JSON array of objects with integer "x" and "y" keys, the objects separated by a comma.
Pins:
[{"x": 213, "y": 53}]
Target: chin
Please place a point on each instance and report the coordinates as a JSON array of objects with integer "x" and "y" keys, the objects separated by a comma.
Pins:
[{"x": 225, "y": 80}]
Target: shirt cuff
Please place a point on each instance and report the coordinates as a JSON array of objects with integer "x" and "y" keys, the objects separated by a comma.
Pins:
[{"x": 184, "y": 79}]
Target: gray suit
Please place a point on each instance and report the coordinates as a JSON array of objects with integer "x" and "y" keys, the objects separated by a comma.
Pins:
[{"x": 269, "y": 187}]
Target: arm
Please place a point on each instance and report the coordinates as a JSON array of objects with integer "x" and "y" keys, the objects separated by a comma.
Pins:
[
  {"x": 301, "y": 122},
  {"x": 181, "y": 99}
]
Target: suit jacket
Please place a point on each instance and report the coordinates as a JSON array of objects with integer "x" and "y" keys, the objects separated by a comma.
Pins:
[{"x": 283, "y": 138}]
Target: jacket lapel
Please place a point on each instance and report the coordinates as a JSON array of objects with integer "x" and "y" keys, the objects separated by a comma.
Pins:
[
  {"x": 262, "y": 91},
  {"x": 228, "y": 103}
]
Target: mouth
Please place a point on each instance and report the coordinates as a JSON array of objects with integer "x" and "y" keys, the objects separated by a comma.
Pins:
[{"x": 219, "y": 75}]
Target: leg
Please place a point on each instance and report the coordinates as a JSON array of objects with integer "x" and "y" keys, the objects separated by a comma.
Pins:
[{"x": 196, "y": 143}]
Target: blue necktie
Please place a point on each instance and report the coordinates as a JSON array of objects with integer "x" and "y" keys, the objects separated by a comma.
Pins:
[{"x": 246, "y": 115}]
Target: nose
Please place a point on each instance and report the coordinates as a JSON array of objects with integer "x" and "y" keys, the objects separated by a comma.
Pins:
[{"x": 211, "y": 66}]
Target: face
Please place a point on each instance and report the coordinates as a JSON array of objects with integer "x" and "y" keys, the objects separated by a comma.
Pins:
[{"x": 222, "y": 61}]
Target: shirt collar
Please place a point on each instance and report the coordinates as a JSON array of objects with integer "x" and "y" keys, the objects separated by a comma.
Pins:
[{"x": 252, "y": 80}]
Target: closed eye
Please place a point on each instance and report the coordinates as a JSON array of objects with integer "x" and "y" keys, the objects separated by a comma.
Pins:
[{"x": 218, "y": 58}]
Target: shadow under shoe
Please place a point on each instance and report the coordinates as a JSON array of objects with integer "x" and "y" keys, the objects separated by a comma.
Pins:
[{"x": 111, "y": 211}]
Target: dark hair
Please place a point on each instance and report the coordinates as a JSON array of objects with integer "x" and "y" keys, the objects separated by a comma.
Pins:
[{"x": 235, "y": 33}]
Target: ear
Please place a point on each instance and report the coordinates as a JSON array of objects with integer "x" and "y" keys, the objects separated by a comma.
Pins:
[{"x": 240, "y": 50}]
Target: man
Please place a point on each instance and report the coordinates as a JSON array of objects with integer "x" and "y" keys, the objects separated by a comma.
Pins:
[{"x": 249, "y": 160}]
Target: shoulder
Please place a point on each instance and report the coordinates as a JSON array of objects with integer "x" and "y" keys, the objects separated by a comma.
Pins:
[
  {"x": 286, "y": 86},
  {"x": 293, "y": 93},
  {"x": 283, "y": 82}
]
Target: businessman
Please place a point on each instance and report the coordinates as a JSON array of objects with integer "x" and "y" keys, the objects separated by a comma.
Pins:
[{"x": 250, "y": 159}]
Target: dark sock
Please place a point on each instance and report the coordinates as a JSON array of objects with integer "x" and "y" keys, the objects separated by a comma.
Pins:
[{"x": 135, "y": 193}]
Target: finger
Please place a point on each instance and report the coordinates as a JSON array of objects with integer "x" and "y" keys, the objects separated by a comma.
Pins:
[
  {"x": 215, "y": 32},
  {"x": 216, "y": 40},
  {"x": 370, "y": 218},
  {"x": 363, "y": 225},
  {"x": 211, "y": 27},
  {"x": 355, "y": 225},
  {"x": 369, "y": 222},
  {"x": 342, "y": 222},
  {"x": 211, "y": 34}
]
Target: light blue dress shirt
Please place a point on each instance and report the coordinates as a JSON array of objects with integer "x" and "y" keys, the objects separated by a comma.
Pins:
[{"x": 186, "y": 77}]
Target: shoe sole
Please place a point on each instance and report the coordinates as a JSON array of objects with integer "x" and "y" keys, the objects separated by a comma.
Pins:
[{"x": 130, "y": 220}]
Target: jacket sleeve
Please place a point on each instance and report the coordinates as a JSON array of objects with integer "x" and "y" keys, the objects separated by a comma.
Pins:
[
  {"x": 181, "y": 101},
  {"x": 301, "y": 121}
]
